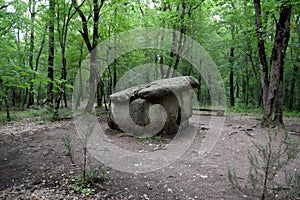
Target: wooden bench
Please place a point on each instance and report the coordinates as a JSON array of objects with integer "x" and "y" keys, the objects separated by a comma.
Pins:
[{"x": 219, "y": 112}]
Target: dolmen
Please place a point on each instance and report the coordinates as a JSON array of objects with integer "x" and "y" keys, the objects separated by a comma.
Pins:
[{"x": 161, "y": 106}]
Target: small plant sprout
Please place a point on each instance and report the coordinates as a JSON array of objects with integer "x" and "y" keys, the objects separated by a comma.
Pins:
[
  {"x": 266, "y": 163},
  {"x": 88, "y": 176},
  {"x": 66, "y": 142}
]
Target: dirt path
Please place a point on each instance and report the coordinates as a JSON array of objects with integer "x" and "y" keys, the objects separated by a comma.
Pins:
[{"x": 32, "y": 164}]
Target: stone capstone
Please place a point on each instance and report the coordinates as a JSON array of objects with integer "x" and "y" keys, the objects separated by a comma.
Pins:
[{"x": 161, "y": 106}]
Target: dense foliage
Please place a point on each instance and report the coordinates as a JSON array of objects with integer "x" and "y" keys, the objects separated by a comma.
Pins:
[{"x": 43, "y": 44}]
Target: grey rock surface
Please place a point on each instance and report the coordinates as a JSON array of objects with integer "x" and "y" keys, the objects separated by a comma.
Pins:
[
  {"x": 156, "y": 107},
  {"x": 156, "y": 89}
]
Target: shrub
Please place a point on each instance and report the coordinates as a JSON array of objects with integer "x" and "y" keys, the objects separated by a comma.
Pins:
[{"x": 265, "y": 165}]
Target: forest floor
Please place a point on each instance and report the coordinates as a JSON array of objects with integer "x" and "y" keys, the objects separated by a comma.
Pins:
[{"x": 32, "y": 165}]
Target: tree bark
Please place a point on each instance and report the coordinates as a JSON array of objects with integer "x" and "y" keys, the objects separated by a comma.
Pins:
[
  {"x": 231, "y": 84},
  {"x": 32, "y": 16},
  {"x": 91, "y": 48},
  {"x": 62, "y": 35},
  {"x": 253, "y": 68},
  {"x": 37, "y": 62},
  {"x": 4, "y": 95},
  {"x": 277, "y": 63},
  {"x": 13, "y": 99},
  {"x": 199, "y": 98},
  {"x": 182, "y": 38},
  {"x": 7, "y": 108},
  {"x": 296, "y": 56},
  {"x": 49, "y": 100},
  {"x": 261, "y": 52},
  {"x": 80, "y": 78},
  {"x": 273, "y": 88}
]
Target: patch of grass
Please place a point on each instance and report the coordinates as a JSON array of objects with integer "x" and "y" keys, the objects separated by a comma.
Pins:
[
  {"x": 291, "y": 113},
  {"x": 154, "y": 138},
  {"x": 100, "y": 111},
  {"x": 64, "y": 113},
  {"x": 292, "y": 179},
  {"x": 44, "y": 114},
  {"x": 19, "y": 115},
  {"x": 244, "y": 110}
]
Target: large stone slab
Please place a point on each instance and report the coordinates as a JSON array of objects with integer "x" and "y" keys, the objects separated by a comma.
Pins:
[{"x": 159, "y": 106}]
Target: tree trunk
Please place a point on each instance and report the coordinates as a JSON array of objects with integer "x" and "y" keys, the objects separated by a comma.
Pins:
[
  {"x": 261, "y": 53},
  {"x": 92, "y": 49},
  {"x": 231, "y": 84},
  {"x": 199, "y": 90},
  {"x": 80, "y": 89},
  {"x": 182, "y": 39},
  {"x": 100, "y": 88},
  {"x": 4, "y": 95},
  {"x": 7, "y": 108},
  {"x": 292, "y": 88},
  {"x": 49, "y": 100},
  {"x": 62, "y": 35},
  {"x": 161, "y": 66},
  {"x": 93, "y": 52},
  {"x": 25, "y": 98},
  {"x": 278, "y": 120},
  {"x": 273, "y": 88},
  {"x": 37, "y": 62},
  {"x": 172, "y": 54},
  {"x": 92, "y": 82},
  {"x": 80, "y": 78},
  {"x": 247, "y": 86},
  {"x": 295, "y": 68},
  {"x": 275, "y": 94},
  {"x": 13, "y": 100},
  {"x": 115, "y": 74},
  {"x": 32, "y": 16},
  {"x": 253, "y": 68}
]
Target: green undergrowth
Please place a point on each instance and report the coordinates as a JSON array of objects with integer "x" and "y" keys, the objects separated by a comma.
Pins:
[
  {"x": 244, "y": 110},
  {"x": 249, "y": 110},
  {"x": 42, "y": 114},
  {"x": 291, "y": 113}
]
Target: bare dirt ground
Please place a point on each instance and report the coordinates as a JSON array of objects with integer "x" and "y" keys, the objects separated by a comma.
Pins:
[{"x": 32, "y": 165}]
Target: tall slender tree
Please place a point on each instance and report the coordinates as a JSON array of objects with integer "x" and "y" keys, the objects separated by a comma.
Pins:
[
  {"x": 91, "y": 46},
  {"x": 64, "y": 16},
  {"x": 31, "y": 49},
  {"x": 50, "y": 76}
]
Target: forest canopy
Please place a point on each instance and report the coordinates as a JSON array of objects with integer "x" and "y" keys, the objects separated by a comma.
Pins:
[{"x": 255, "y": 45}]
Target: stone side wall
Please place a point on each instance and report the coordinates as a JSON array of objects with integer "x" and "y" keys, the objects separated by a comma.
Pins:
[{"x": 177, "y": 107}]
